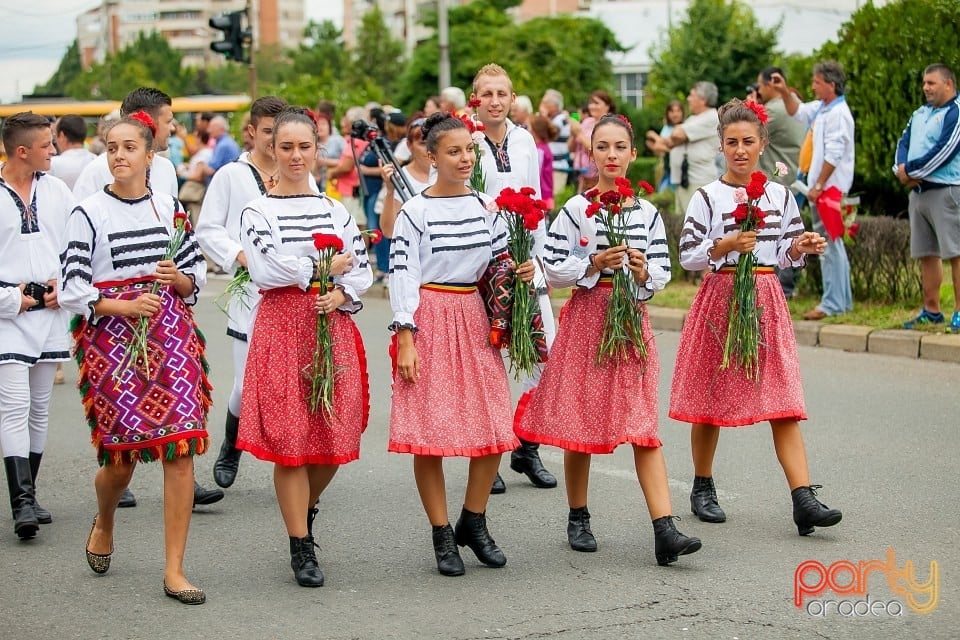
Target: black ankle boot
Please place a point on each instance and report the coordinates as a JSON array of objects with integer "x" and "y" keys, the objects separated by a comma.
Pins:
[
  {"x": 472, "y": 532},
  {"x": 498, "y": 486},
  {"x": 311, "y": 516},
  {"x": 449, "y": 562},
  {"x": 703, "y": 500},
  {"x": 526, "y": 460},
  {"x": 670, "y": 543},
  {"x": 43, "y": 516},
  {"x": 808, "y": 512},
  {"x": 303, "y": 561},
  {"x": 578, "y": 531},
  {"x": 228, "y": 462},
  {"x": 22, "y": 501}
]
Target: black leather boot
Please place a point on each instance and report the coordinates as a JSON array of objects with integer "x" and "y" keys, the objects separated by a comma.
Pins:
[
  {"x": 578, "y": 531},
  {"x": 471, "y": 531},
  {"x": 703, "y": 500},
  {"x": 311, "y": 516},
  {"x": 43, "y": 516},
  {"x": 449, "y": 562},
  {"x": 808, "y": 512},
  {"x": 670, "y": 543},
  {"x": 225, "y": 468},
  {"x": 498, "y": 486},
  {"x": 20, "y": 485},
  {"x": 202, "y": 495},
  {"x": 303, "y": 561},
  {"x": 526, "y": 459}
]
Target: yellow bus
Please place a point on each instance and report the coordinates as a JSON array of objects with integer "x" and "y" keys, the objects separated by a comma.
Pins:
[{"x": 99, "y": 108}]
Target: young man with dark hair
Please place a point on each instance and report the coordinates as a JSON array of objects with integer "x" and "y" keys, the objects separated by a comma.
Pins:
[
  {"x": 218, "y": 231},
  {"x": 162, "y": 175},
  {"x": 71, "y": 132},
  {"x": 34, "y": 337}
]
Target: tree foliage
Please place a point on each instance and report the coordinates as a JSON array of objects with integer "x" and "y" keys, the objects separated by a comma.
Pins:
[
  {"x": 69, "y": 68},
  {"x": 567, "y": 53},
  {"x": 148, "y": 61},
  {"x": 378, "y": 54},
  {"x": 884, "y": 50},
  {"x": 719, "y": 41}
]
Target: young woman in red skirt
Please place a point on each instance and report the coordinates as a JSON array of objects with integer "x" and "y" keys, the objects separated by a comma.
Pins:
[
  {"x": 276, "y": 421},
  {"x": 702, "y": 393},
  {"x": 450, "y": 391},
  {"x": 606, "y": 405}
]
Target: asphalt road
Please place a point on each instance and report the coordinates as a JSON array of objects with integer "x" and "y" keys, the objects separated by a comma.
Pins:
[{"x": 882, "y": 439}]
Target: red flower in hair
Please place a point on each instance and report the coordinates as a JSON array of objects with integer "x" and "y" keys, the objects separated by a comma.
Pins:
[
  {"x": 626, "y": 121},
  {"x": 758, "y": 109},
  {"x": 144, "y": 118},
  {"x": 324, "y": 241}
]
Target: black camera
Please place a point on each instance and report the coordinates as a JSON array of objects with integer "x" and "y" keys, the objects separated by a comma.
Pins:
[
  {"x": 36, "y": 291},
  {"x": 363, "y": 130}
]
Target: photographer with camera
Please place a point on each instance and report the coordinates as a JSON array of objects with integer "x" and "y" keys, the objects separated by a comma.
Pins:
[
  {"x": 343, "y": 179},
  {"x": 34, "y": 208}
]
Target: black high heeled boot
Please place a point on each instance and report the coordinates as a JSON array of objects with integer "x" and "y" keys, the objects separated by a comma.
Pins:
[
  {"x": 526, "y": 460},
  {"x": 303, "y": 561},
  {"x": 449, "y": 562},
  {"x": 20, "y": 485},
  {"x": 808, "y": 512},
  {"x": 578, "y": 531},
  {"x": 471, "y": 531},
  {"x": 43, "y": 516},
  {"x": 670, "y": 543},
  {"x": 703, "y": 500},
  {"x": 228, "y": 462}
]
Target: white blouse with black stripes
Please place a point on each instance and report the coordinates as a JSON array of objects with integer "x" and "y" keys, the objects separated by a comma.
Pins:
[
  {"x": 567, "y": 259},
  {"x": 277, "y": 237},
  {"x": 710, "y": 218},
  {"x": 443, "y": 240},
  {"x": 113, "y": 239}
]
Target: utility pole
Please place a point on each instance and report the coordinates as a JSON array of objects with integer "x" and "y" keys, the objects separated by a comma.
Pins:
[{"x": 443, "y": 38}]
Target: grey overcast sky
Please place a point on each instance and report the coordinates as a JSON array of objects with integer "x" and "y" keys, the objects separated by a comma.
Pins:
[{"x": 38, "y": 34}]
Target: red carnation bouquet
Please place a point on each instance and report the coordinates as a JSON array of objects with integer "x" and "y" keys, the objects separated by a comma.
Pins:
[
  {"x": 322, "y": 372},
  {"x": 137, "y": 351},
  {"x": 622, "y": 335},
  {"x": 478, "y": 181},
  {"x": 526, "y": 342},
  {"x": 742, "y": 344}
]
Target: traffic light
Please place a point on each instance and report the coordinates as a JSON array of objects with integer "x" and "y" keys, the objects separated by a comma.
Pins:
[{"x": 234, "y": 35}]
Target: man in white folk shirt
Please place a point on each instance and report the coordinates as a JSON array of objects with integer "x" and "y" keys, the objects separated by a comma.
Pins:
[
  {"x": 509, "y": 158},
  {"x": 34, "y": 334},
  {"x": 162, "y": 178},
  {"x": 71, "y": 132},
  {"x": 218, "y": 231}
]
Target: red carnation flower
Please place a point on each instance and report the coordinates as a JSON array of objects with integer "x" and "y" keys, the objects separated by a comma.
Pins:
[
  {"x": 528, "y": 191},
  {"x": 592, "y": 209},
  {"x": 852, "y": 231},
  {"x": 645, "y": 187},
  {"x": 755, "y": 190},
  {"x": 620, "y": 181},
  {"x": 758, "y": 176},
  {"x": 376, "y": 236},
  {"x": 324, "y": 241},
  {"x": 740, "y": 213},
  {"x": 592, "y": 194},
  {"x": 474, "y": 103}
]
